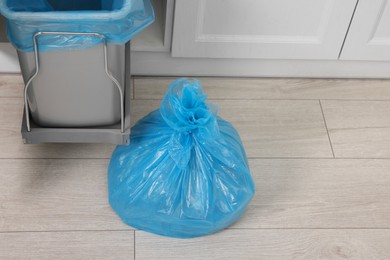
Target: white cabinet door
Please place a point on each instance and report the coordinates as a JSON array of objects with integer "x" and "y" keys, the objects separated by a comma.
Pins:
[
  {"x": 277, "y": 29},
  {"x": 369, "y": 35}
]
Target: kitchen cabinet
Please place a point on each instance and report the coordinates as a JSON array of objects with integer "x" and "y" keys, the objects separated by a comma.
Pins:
[
  {"x": 258, "y": 38},
  {"x": 157, "y": 37},
  {"x": 369, "y": 35},
  {"x": 261, "y": 29}
]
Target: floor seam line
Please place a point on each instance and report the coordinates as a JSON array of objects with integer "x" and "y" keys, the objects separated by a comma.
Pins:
[
  {"x": 327, "y": 130},
  {"x": 64, "y": 231},
  {"x": 243, "y": 228},
  {"x": 279, "y": 99},
  {"x": 134, "y": 245}
]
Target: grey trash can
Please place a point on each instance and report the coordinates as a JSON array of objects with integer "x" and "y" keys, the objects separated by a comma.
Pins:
[
  {"x": 72, "y": 88},
  {"x": 75, "y": 61}
]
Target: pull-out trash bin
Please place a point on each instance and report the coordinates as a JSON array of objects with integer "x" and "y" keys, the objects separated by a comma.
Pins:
[{"x": 75, "y": 61}]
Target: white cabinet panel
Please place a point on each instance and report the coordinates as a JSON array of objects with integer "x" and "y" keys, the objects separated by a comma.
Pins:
[
  {"x": 278, "y": 29},
  {"x": 369, "y": 35}
]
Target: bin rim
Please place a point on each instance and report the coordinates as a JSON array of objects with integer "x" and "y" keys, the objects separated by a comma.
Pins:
[{"x": 66, "y": 16}]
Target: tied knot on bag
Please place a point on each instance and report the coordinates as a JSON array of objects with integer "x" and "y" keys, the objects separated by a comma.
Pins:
[{"x": 185, "y": 110}]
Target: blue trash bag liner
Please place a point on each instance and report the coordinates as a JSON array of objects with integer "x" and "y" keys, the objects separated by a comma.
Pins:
[
  {"x": 118, "y": 20},
  {"x": 185, "y": 173}
]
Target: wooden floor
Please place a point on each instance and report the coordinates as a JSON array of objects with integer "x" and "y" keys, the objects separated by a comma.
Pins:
[{"x": 319, "y": 154}]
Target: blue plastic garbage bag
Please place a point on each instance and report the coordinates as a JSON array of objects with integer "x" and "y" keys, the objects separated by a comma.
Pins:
[
  {"x": 185, "y": 173},
  {"x": 118, "y": 20}
]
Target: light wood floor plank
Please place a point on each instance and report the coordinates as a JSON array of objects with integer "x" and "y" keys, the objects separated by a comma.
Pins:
[
  {"x": 11, "y": 85},
  {"x": 269, "y": 128},
  {"x": 280, "y": 128},
  {"x": 42, "y": 195},
  {"x": 67, "y": 245},
  {"x": 359, "y": 129},
  {"x": 272, "y": 88},
  {"x": 327, "y": 193},
  {"x": 39, "y": 195},
  {"x": 269, "y": 244}
]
